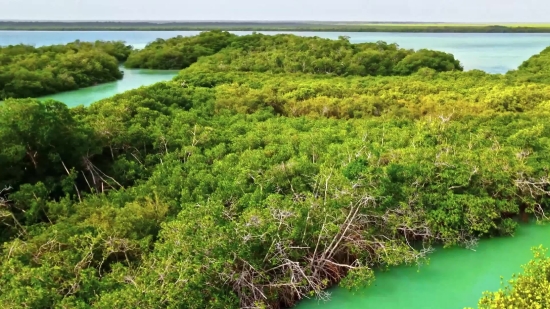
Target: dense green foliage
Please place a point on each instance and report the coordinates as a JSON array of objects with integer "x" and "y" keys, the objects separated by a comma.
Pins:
[
  {"x": 231, "y": 187},
  {"x": 273, "y": 26},
  {"x": 26, "y": 71},
  {"x": 288, "y": 54},
  {"x": 530, "y": 289},
  {"x": 179, "y": 52},
  {"x": 535, "y": 69}
]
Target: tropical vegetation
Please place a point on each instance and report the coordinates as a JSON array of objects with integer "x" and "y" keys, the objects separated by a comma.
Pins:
[
  {"x": 287, "y": 54},
  {"x": 254, "y": 181},
  {"x": 28, "y": 71},
  {"x": 179, "y": 52}
]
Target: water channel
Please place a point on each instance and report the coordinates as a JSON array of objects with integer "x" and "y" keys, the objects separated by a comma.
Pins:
[
  {"x": 132, "y": 79},
  {"x": 454, "y": 279}
]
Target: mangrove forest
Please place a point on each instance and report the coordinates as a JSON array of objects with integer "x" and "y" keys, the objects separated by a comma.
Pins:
[
  {"x": 270, "y": 169},
  {"x": 27, "y": 71}
]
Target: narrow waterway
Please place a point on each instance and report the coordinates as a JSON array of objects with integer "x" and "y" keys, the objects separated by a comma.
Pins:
[
  {"x": 454, "y": 279},
  {"x": 132, "y": 79}
]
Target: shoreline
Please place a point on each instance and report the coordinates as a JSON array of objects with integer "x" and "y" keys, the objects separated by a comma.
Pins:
[{"x": 274, "y": 26}]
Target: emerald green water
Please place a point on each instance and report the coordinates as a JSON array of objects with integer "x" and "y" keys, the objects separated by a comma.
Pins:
[
  {"x": 132, "y": 79},
  {"x": 454, "y": 279}
]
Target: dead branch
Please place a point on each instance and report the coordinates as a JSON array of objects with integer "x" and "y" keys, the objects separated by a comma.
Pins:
[{"x": 74, "y": 184}]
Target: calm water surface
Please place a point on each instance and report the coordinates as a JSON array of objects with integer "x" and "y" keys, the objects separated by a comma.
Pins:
[
  {"x": 132, "y": 79},
  {"x": 491, "y": 52},
  {"x": 454, "y": 279}
]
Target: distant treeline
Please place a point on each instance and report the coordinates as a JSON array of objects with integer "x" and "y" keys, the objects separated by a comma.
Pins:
[{"x": 270, "y": 26}]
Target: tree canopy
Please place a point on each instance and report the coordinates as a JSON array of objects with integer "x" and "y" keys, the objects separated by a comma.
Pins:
[
  {"x": 286, "y": 53},
  {"x": 27, "y": 71},
  {"x": 179, "y": 52}
]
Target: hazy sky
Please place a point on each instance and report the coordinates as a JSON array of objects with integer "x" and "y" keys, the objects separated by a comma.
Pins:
[{"x": 352, "y": 10}]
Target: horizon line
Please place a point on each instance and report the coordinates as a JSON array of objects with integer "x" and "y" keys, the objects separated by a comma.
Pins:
[{"x": 264, "y": 21}]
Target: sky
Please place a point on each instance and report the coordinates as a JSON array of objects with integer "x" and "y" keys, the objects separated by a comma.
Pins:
[{"x": 535, "y": 11}]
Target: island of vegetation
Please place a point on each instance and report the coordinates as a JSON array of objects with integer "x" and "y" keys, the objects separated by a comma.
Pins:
[
  {"x": 27, "y": 71},
  {"x": 287, "y": 54},
  {"x": 272, "y": 26},
  {"x": 269, "y": 169}
]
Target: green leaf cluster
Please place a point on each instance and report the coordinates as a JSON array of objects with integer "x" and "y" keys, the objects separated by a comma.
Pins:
[
  {"x": 27, "y": 71},
  {"x": 222, "y": 52},
  {"x": 179, "y": 52}
]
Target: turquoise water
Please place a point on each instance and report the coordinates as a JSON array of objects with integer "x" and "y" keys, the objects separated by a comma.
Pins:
[
  {"x": 454, "y": 279},
  {"x": 491, "y": 52},
  {"x": 132, "y": 79}
]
